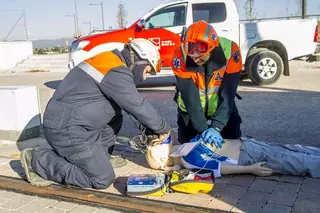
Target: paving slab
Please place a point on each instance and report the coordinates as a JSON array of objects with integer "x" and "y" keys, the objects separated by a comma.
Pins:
[
  {"x": 18, "y": 202},
  {"x": 232, "y": 193},
  {"x": 52, "y": 210},
  {"x": 202, "y": 202},
  {"x": 246, "y": 208},
  {"x": 9, "y": 195},
  {"x": 106, "y": 211},
  {"x": 174, "y": 197},
  {"x": 311, "y": 185},
  {"x": 273, "y": 208},
  {"x": 224, "y": 179},
  {"x": 282, "y": 198},
  {"x": 216, "y": 203},
  {"x": 254, "y": 198},
  {"x": 306, "y": 206},
  {"x": 242, "y": 180},
  {"x": 22, "y": 203},
  {"x": 4, "y": 211},
  {"x": 263, "y": 185},
  {"x": 37, "y": 205},
  {"x": 310, "y": 195},
  {"x": 11, "y": 151},
  {"x": 287, "y": 187},
  {"x": 3, "y": 160},
  {"x": 271, "y": 177},
  {"x": 83, "y": 209},
  {"x": 3, "y": 200},
  {"x": 66, "y": 206},
  {"x": 291, "y": 179}
]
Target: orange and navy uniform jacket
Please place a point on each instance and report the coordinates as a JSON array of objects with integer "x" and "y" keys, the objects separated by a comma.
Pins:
[
  {"x": 207, "y": 92},
  {"x": 92, "y": 96}
]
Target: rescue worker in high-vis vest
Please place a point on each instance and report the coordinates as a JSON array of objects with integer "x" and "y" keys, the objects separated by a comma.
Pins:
[
  {"x": 84, "y": 116},
  {"x": 207, "y": 70}
]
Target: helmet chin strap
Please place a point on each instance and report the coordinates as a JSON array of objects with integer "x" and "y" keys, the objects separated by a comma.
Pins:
[
  {"x": 131, "y": 59},
  {"x": 133, "y": 63}
]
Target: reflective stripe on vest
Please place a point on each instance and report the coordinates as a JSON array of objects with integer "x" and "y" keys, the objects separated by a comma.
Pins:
[
  {"x": 98, "y": 66},
  {"x": 211, "y": 94},
  {"x": 210, "y": 91}
]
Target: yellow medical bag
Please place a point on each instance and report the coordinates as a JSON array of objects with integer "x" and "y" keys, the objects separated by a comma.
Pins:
[
  {"x": 192, "y": 181},
  {"x": 184, "y": 181}
]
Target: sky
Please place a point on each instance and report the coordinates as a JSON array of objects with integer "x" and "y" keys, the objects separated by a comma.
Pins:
[{"x": 47, "y": 19}]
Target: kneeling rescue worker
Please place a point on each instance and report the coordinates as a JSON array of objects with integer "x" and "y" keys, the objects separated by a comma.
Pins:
[
  {"x": 207, "y": 69},
  {"x": 84, "y": 116}
]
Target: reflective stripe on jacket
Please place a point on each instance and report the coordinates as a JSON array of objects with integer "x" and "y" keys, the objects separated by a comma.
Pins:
[{"x": 208, "y": 89}]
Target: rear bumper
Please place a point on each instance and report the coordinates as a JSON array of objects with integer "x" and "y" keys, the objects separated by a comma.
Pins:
[
  {"x": 315, "y": 57},
  {"x": 317, "y": 51}
]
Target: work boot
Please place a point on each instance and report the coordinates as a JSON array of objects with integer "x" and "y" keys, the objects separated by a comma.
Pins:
[
  {"x": 118, "y": 162},
  {"x": 32, "y": 177}
]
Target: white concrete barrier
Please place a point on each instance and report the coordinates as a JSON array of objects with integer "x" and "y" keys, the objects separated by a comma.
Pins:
[
  {"x": 12, "y": 53},
  {"x": 19, "y": 113}
]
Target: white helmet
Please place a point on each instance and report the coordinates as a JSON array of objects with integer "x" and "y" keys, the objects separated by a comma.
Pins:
[{"x": 146, "y": 50}]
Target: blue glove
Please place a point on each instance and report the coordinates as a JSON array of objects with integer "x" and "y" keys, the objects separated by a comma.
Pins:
[{"x": 212, "y": 136}]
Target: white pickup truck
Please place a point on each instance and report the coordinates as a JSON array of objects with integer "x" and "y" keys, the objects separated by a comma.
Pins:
[{"x": 266, "y": 46}]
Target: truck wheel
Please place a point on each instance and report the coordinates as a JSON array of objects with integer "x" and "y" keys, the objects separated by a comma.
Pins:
[{"x": 264, "y": 67}]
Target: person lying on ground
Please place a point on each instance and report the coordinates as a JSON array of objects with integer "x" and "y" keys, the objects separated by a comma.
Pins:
[{"x": 246, "y": 155}]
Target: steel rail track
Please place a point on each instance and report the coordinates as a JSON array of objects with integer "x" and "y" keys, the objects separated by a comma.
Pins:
[{"x": 120, "y": 203}]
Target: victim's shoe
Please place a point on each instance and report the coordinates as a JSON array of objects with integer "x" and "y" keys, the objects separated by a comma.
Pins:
[{"x": 32, "y": 177}]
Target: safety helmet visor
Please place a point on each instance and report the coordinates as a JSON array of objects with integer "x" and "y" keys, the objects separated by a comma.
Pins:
[{"x": 196, "y": 49}]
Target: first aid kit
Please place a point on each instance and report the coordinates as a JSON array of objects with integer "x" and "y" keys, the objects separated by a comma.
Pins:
[
  {"x": 147, "y": 184},
  {"x": 184, "y": 181}
]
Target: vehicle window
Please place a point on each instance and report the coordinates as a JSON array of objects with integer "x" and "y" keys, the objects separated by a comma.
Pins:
[
  {"x": 210, "y": 12},
  {"x": 167, "y": 17}
]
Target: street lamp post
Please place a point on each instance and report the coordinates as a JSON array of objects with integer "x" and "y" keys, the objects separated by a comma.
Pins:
[
  {"x": 75, "y": 24},
  {"x": 25, "y": 24},
  {"x": 304, "y": 8},
  {"x": 102, "y": 15},
  {"x": 76, "y": 17}
]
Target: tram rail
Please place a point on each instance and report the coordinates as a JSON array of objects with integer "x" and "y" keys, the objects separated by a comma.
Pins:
[{"x": 120, "y": 203}]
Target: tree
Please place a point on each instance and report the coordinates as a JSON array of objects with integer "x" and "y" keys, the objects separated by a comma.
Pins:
[
  {"x": 251, "y": 13},
  {"x": 121, "y": 16}
]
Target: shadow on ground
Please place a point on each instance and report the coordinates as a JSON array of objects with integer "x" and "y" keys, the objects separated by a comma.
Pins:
[
  {"x": 120, "y": 184},
  {"x": 17, "y": 168},
  {"x": 53, "y": 84}
]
